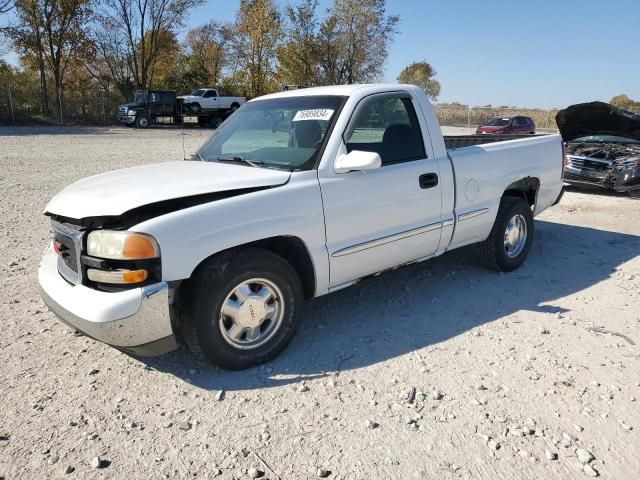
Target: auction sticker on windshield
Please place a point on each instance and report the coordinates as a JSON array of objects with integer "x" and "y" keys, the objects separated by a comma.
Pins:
[{"x": 314, "y": 114}]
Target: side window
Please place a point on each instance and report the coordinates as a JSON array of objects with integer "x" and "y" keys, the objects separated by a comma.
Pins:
[
  {"x": 519, "y": 122},
  {"x": 210, "y": 94},
  {"x": 389, "y": 126},
  {"x": 154, "y": 98}
]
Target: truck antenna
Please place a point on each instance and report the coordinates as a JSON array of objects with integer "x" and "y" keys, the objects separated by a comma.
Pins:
[{"x": 181, "y": 116}]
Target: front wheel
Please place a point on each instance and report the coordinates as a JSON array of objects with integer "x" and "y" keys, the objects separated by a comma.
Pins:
[
  {"x": 142, "y": 121},
  {"x": 240, "y": 308},
  {"x": 510, "y": 239}
]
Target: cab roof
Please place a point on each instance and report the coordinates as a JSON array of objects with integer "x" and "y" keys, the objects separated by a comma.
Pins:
[{"x": 340, "y": 90}]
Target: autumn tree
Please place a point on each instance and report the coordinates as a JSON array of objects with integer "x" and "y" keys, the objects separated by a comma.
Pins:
[
  {"x": 50, "y": 31},
  {"x": 208, "y": 50},
  {"x": 621, "y": 101},
  {"x": 298, "y": 55},
  {"x": 421, "y": 74},
  {"x": 129, "y": 38},
  {"x": 354, "y": 41},
  {"x": 257, "y": 34}
]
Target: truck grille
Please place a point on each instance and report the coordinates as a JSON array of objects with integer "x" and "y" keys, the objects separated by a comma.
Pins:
[
  {"x": 68, "y": 244},
  {"x": 122, "y": 111},
  {"x": 588, "y": 167}
]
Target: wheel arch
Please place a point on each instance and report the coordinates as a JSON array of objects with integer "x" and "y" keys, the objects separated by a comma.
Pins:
[
  {"x": 292, "y": 249},
  {"x": 526, "y": 188}
]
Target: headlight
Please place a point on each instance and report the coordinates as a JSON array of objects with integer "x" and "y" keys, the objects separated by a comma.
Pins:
[
  {"x": 131, "y": 112},
  {"x": 117, "y": 245}
]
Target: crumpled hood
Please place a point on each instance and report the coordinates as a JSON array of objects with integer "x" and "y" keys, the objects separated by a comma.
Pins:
[
  {"x": 116, "y": 192},
  {"x": 597, "y": 118}
]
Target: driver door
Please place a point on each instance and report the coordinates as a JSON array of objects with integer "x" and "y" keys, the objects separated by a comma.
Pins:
[{"x": 381, "y": 218}]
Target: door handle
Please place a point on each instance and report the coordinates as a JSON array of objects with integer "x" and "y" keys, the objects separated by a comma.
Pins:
[{"x": 428, "y": 180}]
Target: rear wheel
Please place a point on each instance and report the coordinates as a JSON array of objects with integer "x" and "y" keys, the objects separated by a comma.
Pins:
[
  {"x": 510, "y": 239},
  {"x": 240, "y": 309}
]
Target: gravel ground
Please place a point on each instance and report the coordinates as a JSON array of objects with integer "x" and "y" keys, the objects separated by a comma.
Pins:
[{"x": 440, "y": 370}]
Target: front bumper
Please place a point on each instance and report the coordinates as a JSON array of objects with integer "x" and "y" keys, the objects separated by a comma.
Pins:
[
  {"x": 136, "y": 321},
  {"x": 128, "y": 119}
]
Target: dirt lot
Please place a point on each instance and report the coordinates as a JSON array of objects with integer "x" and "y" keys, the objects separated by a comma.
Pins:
[{"x": 441, "y": 370}]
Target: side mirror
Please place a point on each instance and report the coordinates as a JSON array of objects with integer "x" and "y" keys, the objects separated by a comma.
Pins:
[{"x": 357, "y": 160}]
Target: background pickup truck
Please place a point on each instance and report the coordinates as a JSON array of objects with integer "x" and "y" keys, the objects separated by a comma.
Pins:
[
  {"x": 297, "y": 195},
  {"x": 150, "y": 106},
  {"x": 207, "y": 99}
]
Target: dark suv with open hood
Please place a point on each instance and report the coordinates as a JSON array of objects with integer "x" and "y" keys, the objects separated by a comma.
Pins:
[{"x": 602, "y": 146}]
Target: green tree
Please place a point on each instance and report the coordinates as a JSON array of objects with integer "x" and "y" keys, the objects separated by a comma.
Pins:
[
  {"x": 354, "y": 41},
  {"x": 421, "y": 74},
  {"x": 298, "y": 56}
]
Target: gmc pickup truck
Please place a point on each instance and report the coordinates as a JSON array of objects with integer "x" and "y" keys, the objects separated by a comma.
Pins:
[{"x": 296, "y": 195}]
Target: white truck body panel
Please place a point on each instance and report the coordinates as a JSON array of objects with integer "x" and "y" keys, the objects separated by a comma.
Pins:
[
  {"x": 113, "y": 193},
  {"x": 352, "y": 224}
]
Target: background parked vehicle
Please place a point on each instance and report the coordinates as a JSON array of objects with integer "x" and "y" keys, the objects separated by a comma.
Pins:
[
  {"x": 508, "y": 125},
  {"x": 208, "y": 100},
  {"x": 149, "y": 106},
  {"x": 602, "y": 146}
]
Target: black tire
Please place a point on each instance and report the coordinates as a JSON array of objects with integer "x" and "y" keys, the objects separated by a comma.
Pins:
[
  {"x": 195, "y": 108},
  {"x": 203, "y": 295},
  {"x": 492, "y": 251},
  {"x": 216, "y": 122},
  {"x": 142, "y": 121},
  {"x": 634, "y": 194},
  {"x": 234, "y": 107}
]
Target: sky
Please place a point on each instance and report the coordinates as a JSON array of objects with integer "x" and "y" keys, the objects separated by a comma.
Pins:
[{"x": 542, "y": 53}]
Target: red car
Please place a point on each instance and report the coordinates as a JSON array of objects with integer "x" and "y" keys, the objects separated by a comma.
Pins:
[{"x": 510, "y": 125}]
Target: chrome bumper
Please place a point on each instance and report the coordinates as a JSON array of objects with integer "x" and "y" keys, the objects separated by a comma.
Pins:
[{"x": 136, "y": 320}]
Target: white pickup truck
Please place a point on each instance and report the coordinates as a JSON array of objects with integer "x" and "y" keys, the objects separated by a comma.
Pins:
[
  {"x": 208, "y": 100},
  {"x": 296, "y": 195}
]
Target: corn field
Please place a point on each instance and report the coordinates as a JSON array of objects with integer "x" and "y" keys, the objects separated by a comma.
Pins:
[{"x": 462, "y": 116}]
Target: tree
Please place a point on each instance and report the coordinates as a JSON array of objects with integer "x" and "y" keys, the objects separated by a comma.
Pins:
[
  {"x": 208, "y": 51},
  {"x": 6, "y": 5},
  {"x": 354, "y": 41},
  {"x": 621, "y": 101},
  {"x": 50, "y": 32},
  {"x": 298, "y": 56},
  {"x": 130, "y": 36},
  {"x": 421, "y": 74},
  {"x": 257, "y": 34}
]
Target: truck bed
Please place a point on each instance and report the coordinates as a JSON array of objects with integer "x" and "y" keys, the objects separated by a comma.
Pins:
[{"x": 460, "y": 141}]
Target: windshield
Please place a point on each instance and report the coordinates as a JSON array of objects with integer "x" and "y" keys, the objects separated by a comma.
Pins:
[
  {"x": 197, "y": 93},
  {"x": 605, "y": 139},
  {"x": 140, "y": 97},
  {"x": 285, "y": 133},
  {"x": 496, "y": 122}
]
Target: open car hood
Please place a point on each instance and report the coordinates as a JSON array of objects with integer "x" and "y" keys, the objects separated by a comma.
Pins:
[
  {"x": 597, "y": 118},
  {"x": 119, "y": 191}
]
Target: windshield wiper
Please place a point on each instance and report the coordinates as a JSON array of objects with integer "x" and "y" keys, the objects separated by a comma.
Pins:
[
  {"x": 239, "y": 159},
  {"x": 197, "y": 156}
]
